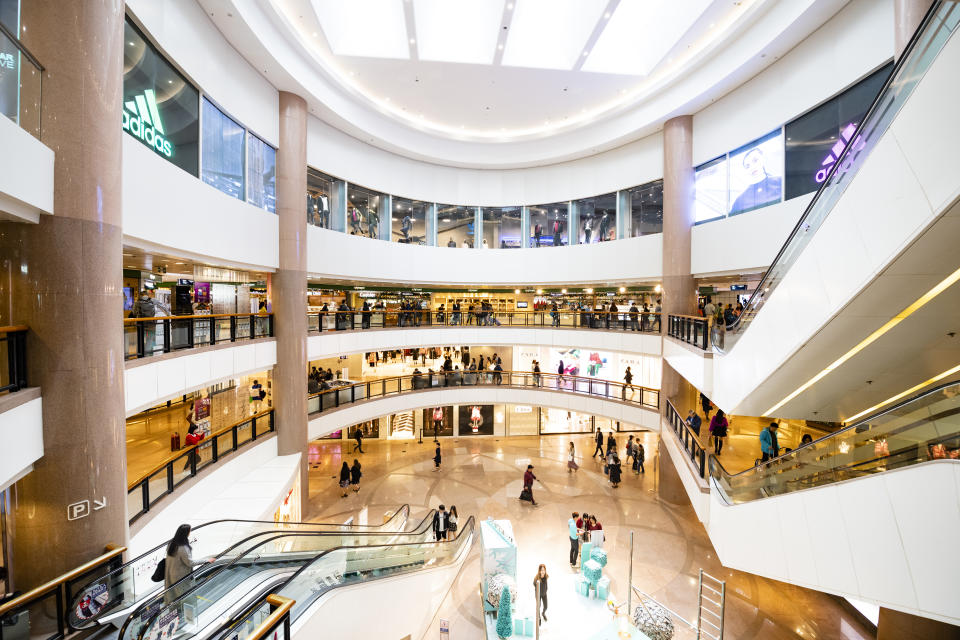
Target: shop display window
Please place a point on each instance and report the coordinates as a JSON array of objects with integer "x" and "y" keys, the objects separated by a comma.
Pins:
[
  {"x": 402, "y": 426},
  {"x": 646, "y": 209},
  {"x": 365, "y": 209},
  {"x": 548, "y": 224},
  {"x": 261, "y": 174},
  {"x": 160, "y": 108},
  {"x": 597, "y": 218},
  {"x": 223, "y": 158},
  {"x": 438, "y": 421},
  {"x": 455, "y": 226},
  {"x": 409, "y": 221},
  {"x": 710, "y": 187},
  {"x": 476, "y": 419},
  {"x": 323, "y": 194},
  {"x": 523, "y": 420},
  {"x": 564, "y": 421},
  {"x": 501, "y": 227}
]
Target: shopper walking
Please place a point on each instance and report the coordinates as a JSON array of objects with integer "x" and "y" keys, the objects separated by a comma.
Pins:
[
  {"x": 560, "y": 375},
  {"x": 355, "y": 475},
  {"x": 436, "y": 458},
  {"x": 528, "y": 478},
  {"x": 437, "y": 423},
  {"x": 574, "y": 531},
  {"x": 344, "y": 479},
  {"x": 178, "y": 563},
  {"x": 572, "y": 459},
  {"x": 718, "y": 427},
  {"x": 706, "y": 405},
  {"x": 536, "y": 373},
  {"x": 629, "y": 452},
  {"x": 540, "y": 588},
  {"x": 638, "y": 457},
  {"x": 358, "y": 436},
  {"x": 193, "y": 439},
  {"x": 628, "y": 383},
  {"x": 440, "y": 523},
  {"x": 616, "y": 472},
  {"x": 599, "y": 449},
  {"x": 769, "y": 447}
]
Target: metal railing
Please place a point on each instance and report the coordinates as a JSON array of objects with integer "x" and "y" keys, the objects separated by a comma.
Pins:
[
  {"x": 268, "y": 618},
  {"x": 41, "y": 612},
  {"x": 342, "y": 393},
  {"x": 163, "y": 479},
  {"x": 689, "y": 439},
  {"x": 144, "y": 337},
  {"x": 690, "y": 329},
  {"x": 13, "y": 340},
  {"x": 25, "y": 72},
  {"x": 351, "y": 320},
  {"x": 927, "y": 41}
]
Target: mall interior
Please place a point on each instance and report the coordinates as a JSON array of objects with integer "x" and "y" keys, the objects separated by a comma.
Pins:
[{"x": 418, "y": 319}]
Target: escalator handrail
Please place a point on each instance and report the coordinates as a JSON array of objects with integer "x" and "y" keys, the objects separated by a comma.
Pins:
[
  {"x": 899, "y": 63},
  {"x": 715, "y": 462},
  {"x": 158, "y": 597}
]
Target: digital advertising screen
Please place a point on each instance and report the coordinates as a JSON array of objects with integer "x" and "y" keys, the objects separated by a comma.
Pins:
[
  {"x": 710, "y": 185},
  {"x": 756, "y": 173}
]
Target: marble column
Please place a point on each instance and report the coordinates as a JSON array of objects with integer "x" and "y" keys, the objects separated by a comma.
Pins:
[
  {"x": 290, "y": 288},
  {"x": 895, "y": 625},
  {"x": 65, "y": 281},
  {"x": 670, "y": 487},
  {"x": 907, "y": 15}
]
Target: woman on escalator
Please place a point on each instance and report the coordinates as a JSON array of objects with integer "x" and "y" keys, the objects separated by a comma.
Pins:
[{"x": 178, "y": 564}]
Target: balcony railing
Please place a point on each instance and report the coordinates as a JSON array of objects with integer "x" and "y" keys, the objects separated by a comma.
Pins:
[
  {"x": 689, "y": 440},
  {"x": 163, "y": 479},
  {"x": 693, "y": 330},
  {"x": 21, "y": 76},
  {"x": 13, "y": 341},
  {"x": 334, "y": 320},
  {"x": 144, "y": 337},
  {"x": 343, "y": 394}
]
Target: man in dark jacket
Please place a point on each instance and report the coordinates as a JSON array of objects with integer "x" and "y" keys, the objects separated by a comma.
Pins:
[
  {"x": 440, "y": 523},
  {"x": 599, "y": 445},
  {"x": 528, "y": 479}
]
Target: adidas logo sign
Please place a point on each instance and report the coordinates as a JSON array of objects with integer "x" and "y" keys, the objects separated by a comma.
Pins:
[{"x": 141, "y": 118}]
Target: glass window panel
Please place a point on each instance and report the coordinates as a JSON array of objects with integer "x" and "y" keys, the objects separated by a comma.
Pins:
[
  {"x": 455, "y": 225},
  {"x": 548, "y": 224},
  {"x": 710, "y": 185},
  {"x": 153, "y": 90},
  {"x": 261, "y": 174},
  {"x": 319, "y": 198},
  {"x": 646, "y": 209},
  {"x": 597, "y": 218},
  {"x": 410, "y": 220},
  {"x": 523, "y": 420},
  {"x": 756, "y": 173},
  {"x": 364, "y": 211},
  {"x": 10, "y": 15},
  {"x": 223, "y": 138},
  {"x": 10, "y": 61},
  {"x": 501, "y": 227}
]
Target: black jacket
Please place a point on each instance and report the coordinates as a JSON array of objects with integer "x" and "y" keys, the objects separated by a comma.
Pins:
[
  {"x": 438, "y": 528},
  {"x": 355, "y": 474}
]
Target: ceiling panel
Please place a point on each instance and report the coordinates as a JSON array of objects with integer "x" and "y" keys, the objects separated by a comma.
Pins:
[
  {"x": 464, "y": 31},
  {"x": 365, "y": 28},
  {"x": 550, "y": 34},
  {"x": 640, "y": 33}
]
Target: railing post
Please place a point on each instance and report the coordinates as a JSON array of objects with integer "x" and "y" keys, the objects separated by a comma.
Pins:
[
  {"x": 353, "y": 394},
  {"x": 270, "y": 324},
  {"x": 253, "y": 431},
  {"x": 141, "y": 338},
  {"x": 214, "y": 450},
  {"x": 213, "y": 331},
  {"x": 233, "y": 328},
  {"x": 167, "y": 325},
  {"x": 145, "y": 495},
  {"x": 191, "y": 333},
  {"x": 253, "y": 327},
  {"x": 169, "y": 478}
]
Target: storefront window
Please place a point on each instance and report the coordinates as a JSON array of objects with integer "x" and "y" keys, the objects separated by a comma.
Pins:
[
  {"x": 455, "y": 225},
  {"x": 598, "y": 218},
  {"x": 223, "y": 139},
  {"x": 646, "y": 209},
  {"x": 402, "y": 426},
  {"x": 261, "y": 174},
  {"x": 523, "y": 420},
  {"x": 476, "y": 419},
  {"x": 160, "y": 108},
  {"x": 410, "y": 221},
  {"x": 10, "y": 61},
  {"x": 548, "y": 224},
  {"x": 365, "y": 209},
  {"x": 319, "y": 198},
  {"x": 564, "y": 421},
  {"x": 501, "y": 227},
  {"x": 438, "y": 421}
]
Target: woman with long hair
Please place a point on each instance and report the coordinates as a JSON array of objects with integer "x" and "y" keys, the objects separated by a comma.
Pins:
[
  {"x": 452, "y": 517},
  {"x": 572, "y": 459},
  {"x": 355, "y": 475},
  {"x": 718, "y": 427},
  {"x": 344, "y": 479},
  {"x": 178, "y": 563},
  {"x": 540, "y": 585}
]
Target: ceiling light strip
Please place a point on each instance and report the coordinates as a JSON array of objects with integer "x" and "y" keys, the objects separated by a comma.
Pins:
[
  {"x": 602, "y": 22},
  {"x": 903, "y": 394},
  {"x": 873, "y": 337}
]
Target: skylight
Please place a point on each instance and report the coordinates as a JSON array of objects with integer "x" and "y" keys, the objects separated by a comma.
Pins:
[{"x": 550, "y": 34}]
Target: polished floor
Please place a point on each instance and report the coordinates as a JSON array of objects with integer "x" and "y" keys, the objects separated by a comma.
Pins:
[{"x": 482, "y": 477}]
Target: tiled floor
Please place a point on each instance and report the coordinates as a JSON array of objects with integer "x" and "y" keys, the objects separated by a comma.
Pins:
[{"x": 482, "y": 477}]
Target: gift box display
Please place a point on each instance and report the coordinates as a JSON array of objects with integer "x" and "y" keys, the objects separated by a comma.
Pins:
[{"x": 599, "y": 555}]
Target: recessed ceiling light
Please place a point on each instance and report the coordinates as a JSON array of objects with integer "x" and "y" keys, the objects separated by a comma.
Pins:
[
  {"x": 500, "y": 47},
  {"x": 586, "y": 53},
  {"x": 130, "y": 43},
  {"x": 606, "y": 16},
  {"x": 563, "y": 290},
  {"x": 510, "y": 6},
  {"x": 446, "y": 220},
  {"x": 412, "y": 41},
  {"x": 713, "y": 24},
  {"x": 314, "y": 34}
]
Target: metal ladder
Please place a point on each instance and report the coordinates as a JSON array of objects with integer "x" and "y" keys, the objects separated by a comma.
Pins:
[{"x": 711, "y": 598}]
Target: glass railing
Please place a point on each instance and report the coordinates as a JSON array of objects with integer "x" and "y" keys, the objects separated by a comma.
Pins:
[
  {"x": 349, "y": 320},
  {"x": 344, "y": 393},
  {"x": 162, "y": 480},
  {"x": 209, "y": 593},
  {"x": 121, "y": 586},
  {"x": 925, "y": 428},
  {"x": 13, "y": 352},
  {"x": 144, "y": 337},
  {"x": 20, "y": 77},
  {"x": 269, "y": 618},
  {"x": 935, "y": 30},
  {"x": 690, "y": 329},
  {"x": 688, "y": 439}
]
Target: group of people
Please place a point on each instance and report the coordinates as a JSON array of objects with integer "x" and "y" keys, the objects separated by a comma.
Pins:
[
  {"x": 717, "y": 313},
  {"x": 319, "y": 380},
  {"x": 583, "y": 528},
  {"x": 612, "y": 465},
  {"x": 350, "y": 477},
  {"x": 445, "y": 522}
]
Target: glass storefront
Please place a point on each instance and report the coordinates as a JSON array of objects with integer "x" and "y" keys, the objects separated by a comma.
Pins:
[
  {"x": 522, "y": 419},
  {"x": 501, "y": 227},
  {"x": 261, "y": 174},
  {"x": 455, "y": 226},
  {"x": 367, "y": 210},
  {"x": 563, "y": 421},
  {"x": 597, "y": 218},
  {"x": 319, "y": 200},
  {"x": 223, "y": 146},
  {"x": 476, "y": 419},
  {"x": 409, "y": 220},
  {"x": 645, "y": 204},
  {"x": 438, "y": 421},
  {"x": 548, "y": 224}
]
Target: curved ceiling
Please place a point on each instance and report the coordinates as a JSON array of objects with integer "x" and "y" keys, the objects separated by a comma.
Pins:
[{"x": 510, "y": 83}]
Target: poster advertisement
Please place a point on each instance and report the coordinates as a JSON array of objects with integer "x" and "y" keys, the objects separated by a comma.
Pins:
[
  {"x": 442, "y": 427},
  {"x": 476, "y": 420},
  {"x": 201, "y": 292},
  {"x": 710, "y": 186},
  {"x": 93, "y": 601},
  {"x": 756, "y": 173}
]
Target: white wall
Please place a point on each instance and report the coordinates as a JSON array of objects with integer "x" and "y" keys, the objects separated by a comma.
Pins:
[
  {"x": 335, "y": 419},
  {"x": 338, "y": 255},
  {"x": 853, "y": 43},
  {"x": 696, "y": 365},
  {"x": 333, "y": 343},
  {"x": 26, "y": 174},
  {"x": 167, "y": 209},
  {"x": 152, "y": 381},
  {"x": 191, "y": 41},
  {"x": 879, "y": 538},
  {"x": 21, "y": 432}
]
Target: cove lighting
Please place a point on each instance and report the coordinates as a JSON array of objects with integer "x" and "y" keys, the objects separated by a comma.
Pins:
[
  {"x": 942, "y": 286},
  {"x": 904, "y": 394}
]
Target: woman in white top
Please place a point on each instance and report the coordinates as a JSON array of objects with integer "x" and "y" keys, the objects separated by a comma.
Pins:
[
  {"x": 452, "y": 518},
  {"x": 571, "y": 459}
]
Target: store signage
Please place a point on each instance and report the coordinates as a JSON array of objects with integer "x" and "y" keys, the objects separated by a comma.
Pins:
[
  {"x": 7, "y": 61},
  {"x": 141, "y": 118},
  {"x": 522, "y": 408},
  {"x": 81, "y": 509},
  {"x": 738, "y": 287},
  {"x": 837, "y": 149}
]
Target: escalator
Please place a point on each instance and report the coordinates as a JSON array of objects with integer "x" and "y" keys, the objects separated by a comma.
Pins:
[{"x": 113, "y": 596}]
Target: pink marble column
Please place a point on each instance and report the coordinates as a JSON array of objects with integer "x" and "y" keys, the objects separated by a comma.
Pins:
[
  {"x": 907, "y": 15},
  {"x": 290, "y": 287},
  {"x": 65, "y": 281},
  {"x": 895, "y": 625}
]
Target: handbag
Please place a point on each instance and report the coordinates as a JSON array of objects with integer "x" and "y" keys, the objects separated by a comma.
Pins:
[{"x": 160, "y": 572}]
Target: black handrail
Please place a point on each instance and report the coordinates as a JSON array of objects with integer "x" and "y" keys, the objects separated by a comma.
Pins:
[
  {"x": 720, "y": 329},
  {"x": 689, "y": 439},
  {"x": 15, "y": 339},
  {"x": 21, "y": 47},
  {"x": 690, "y": 329},
  {"x": 188, "y": 332}
]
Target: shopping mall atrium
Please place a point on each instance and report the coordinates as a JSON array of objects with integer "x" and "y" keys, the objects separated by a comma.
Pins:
[{"x": 448, "y": 319}]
